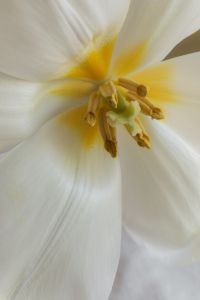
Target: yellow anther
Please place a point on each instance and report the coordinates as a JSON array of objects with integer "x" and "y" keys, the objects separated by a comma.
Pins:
[
  {"x": 108, "y": 133},
  {"x": 90, "y": 118},
  {"x": 157, "y": 113},
  {"x": 139, "y": 89},
  {"x": 142, "y": 90},
  {"x": 109, "y": 92},
  {"x": 142, "y": 138},
  {"x": 111, "y": 147},
  {"x": 146, "y": 106},
  {"x": 92, "y": 109},
  {"x": 144, "y": 135}
]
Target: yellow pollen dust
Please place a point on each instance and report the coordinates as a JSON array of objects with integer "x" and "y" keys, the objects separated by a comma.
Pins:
[{"x": 121, "y": 102}]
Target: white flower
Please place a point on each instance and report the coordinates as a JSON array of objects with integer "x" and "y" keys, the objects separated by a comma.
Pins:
[{"x": 60, "y": 190}]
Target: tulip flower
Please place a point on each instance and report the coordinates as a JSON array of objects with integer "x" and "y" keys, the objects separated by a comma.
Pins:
[{"x": 84, "y": 90}]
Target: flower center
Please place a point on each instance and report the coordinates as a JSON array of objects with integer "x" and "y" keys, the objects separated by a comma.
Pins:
[{"x": 121, "y": 102}]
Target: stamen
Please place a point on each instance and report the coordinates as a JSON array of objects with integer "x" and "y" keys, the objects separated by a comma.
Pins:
[
  {"x": 142, "y": 140},
  {"x": 92, "y": 110},
  {"x": 121, "y": 102},
  {"x": 146, "y": 106},
  {"x": 109, "y": 92},
  {"x": 157, "y": 113},
  {"x": 145, "y": 109},
  {"x": 143, "y": 137},
  {"x": 108, "y": 133},
  {"x": 139, "y": 89}
]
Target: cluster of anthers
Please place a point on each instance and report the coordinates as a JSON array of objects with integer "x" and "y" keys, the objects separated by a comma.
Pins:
[{"x": 121, "y": 102}]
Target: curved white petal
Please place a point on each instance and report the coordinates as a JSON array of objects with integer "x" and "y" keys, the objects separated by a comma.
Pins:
[
  {"x": 174, "y": 85},
  {"x": 101, "y": 15},
  {"x": 17, "y": 99},
  {"x": 60, "y": 219},
  {"x": 25, "y": 106},
  {"x": 40, "y": 39},
  {"x": 161, "y": 201},
  {"x": 142, "y": 275},
  {"x": 151, "y": 30}
]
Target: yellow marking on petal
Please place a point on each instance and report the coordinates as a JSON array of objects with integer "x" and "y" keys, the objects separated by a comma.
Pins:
[
  {"x": 74, "y": 89},
  {"x": 159, "y": 79},
  {"x": 96, "y": 63},
  {"x": 129, "y": 61},
  {"x": 75, "y": 119}
]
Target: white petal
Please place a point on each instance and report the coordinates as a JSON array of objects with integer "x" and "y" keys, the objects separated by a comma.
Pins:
[
  {"x": 17, "y": 100},
  {"x": 39, "y": 39},
  {"x": 151, "y": 30},
  {"x": 25, "y": 106},
  {"x": 142, "y": 275},
  {"x": 162, "y": 189},
  {"x": 102, "y": 14},
  {"x": 182, "y": 115},
  {"x": 174, "y": 85},
  {"x": 60, "y": 217}
]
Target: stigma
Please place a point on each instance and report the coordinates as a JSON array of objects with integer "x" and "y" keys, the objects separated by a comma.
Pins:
[{"x": 121, "y": 102}]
